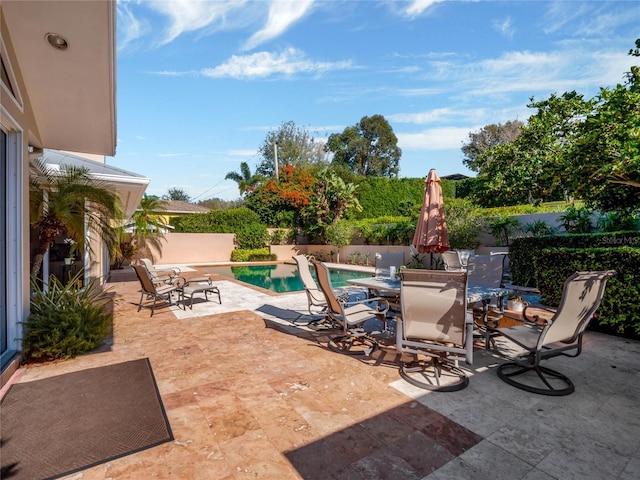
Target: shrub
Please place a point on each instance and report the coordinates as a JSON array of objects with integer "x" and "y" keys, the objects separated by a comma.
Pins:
[
  {"x": 252, "y": 235},
  {"x": 66, "y": 320},
  {"x": 619, "y": 311},
  {"x": 216, "y": 221},
  {"x": 524, "y": 252},
  {"x": 503, "y": 228},
  {"x": 464, "y": 223},
  {"x": 576, "y": 220},
  {"x": 539, "y": 228},
  {"x": 252, "y": 255}
]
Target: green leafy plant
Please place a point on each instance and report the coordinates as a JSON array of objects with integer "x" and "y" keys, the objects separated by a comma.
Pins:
[
  {"x": 252, "y": 255},
  {"x": 354, "y": 258},
  {"x": 503, "y": 228},
  {"x": 66, "y": 320},
  {"x": 539, "y": 228},
  {"x": 367, "y": 258},
  {"x": 618, "y": 222},
  {"x": 576, "y": 220}
]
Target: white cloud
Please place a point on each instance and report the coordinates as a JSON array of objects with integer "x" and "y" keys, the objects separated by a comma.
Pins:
[
  {"x": 418, "y": 7},
  {"x": 264, "y": 64},
  {"x": 504, "y": 27},
  {"x": 188, "y": 16},
  {"x": 445, "y": 138},
  {"x": 130, "y": 27},
  {"x": 532, "y": 72},
  {"x": 241, "y": 153},
  {"x": 282, "y": 14},
  {"x": 439, "y": 115}
]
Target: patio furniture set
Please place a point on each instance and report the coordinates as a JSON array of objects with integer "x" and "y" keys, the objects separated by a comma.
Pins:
[
  {"x": 436, "y": 329},
  {"x": 158, "y": 286}
]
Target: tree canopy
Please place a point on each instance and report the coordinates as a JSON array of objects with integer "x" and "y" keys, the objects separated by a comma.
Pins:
[
  {"x": 296, "y": 148},
  {"x": 176, "y": 193},
  {"x": 367, "y": 148},
  {"x": 73, "y": 199},
  {"x": 589, "y": 149},
  {"x": 246, "y": 181},
  {"x": 485, "y": 139}
]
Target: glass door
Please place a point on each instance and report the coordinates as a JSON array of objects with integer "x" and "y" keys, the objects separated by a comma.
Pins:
[{"x": 3, "y": 243}]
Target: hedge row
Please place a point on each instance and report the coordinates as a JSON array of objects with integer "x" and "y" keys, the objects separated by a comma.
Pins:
[
  {"x": 619, "y": 311},
  {"x": 524, "y": 252},
  {"x": 380, "y": 196}
]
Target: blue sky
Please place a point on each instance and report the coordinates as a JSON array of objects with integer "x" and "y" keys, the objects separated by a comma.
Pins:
[{"x": 201, "y": 83}]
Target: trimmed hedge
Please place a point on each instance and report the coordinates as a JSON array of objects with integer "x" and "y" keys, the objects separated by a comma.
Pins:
[
  {"x": 250, "y": 231},
  {"x": 619, "y": 311},
  {"x": 523, "y": 252},
  {"x": 381, "y": 196},
  {"x": 252, "y": 255}
]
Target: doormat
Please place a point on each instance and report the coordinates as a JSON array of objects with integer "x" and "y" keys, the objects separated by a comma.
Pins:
[{"x": 60, "y": 425}]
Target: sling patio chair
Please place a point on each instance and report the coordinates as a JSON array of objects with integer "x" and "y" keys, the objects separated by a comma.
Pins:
[
  {"x": 452, "y": 262},
  {"x": 160, "y": 276},
  {"x": 151, "y": 290},
  {"x": 547, "y": 338},
  {"x": 315, "y": 297},
  {"x": 386, "y": 264},
  {"x": 434, "y": 324},
  {"x": 486, "y": 271},
  {"x": 350, "y": 315}
]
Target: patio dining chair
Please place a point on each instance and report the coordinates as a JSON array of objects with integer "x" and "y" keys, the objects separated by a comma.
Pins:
[
  {"x": 452, "y": 262},
  {"x": 350, "y": 314},
  {"x": 160, "y": 276},
  {"x": 315, "y": 297},
  {"x": 435, "y": 329},
  {"x": 547, "y": 338},
  {"x": 151, "y": 290}
]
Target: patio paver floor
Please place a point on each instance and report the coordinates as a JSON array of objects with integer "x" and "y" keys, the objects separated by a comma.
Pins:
[{"x": 251, "y": 395}]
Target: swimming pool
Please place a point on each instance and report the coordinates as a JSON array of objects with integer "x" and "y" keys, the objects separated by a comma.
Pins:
[{"x": 280, "y": 278}]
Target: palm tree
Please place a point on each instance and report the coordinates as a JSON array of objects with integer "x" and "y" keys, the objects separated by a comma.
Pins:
[
  {"x": 62, "y": 202},
  {"x": 147, "y": 227},
  {"x": 145, "y": 217},
  {"x": 245, "y": 180}
]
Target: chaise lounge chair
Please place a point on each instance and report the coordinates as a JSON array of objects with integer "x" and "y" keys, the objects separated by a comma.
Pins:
[
  {"x": 159, "y": 276},
  {"x": 150, "y": 289}
]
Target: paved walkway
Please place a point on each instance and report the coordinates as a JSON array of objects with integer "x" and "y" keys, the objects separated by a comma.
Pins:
[{"x": 250, "y": 392}]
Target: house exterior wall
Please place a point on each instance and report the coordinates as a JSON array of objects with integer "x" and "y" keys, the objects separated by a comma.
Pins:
[{"x": 17, "y": 122}]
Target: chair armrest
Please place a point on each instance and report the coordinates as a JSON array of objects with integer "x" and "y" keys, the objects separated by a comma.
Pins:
[
  {"x": 533, "y": 318},
  {"x": 378, "y": 300}
]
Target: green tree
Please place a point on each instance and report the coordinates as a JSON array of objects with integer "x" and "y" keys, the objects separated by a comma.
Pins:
[
  {"x": 368, "y": 148},
  {"x": 487, "y": 138},
  {"x": 296, "y": 148},
  {"x": 604, "y": 162},
  {"x": 533, "y": 167},
  {"x": 177, "y": 194},
  {"x": 246, "y": 181},
  {"x": 62, "y": 202}
]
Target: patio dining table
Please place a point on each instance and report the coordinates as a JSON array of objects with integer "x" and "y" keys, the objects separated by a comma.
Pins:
[{"x": 475, "y": 294}]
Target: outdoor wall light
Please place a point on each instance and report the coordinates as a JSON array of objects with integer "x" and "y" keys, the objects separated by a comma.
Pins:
[{"x": 56, "y": 41}]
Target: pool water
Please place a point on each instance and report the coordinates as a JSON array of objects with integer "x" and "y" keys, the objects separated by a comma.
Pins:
[{"x": 280, "y": 278}]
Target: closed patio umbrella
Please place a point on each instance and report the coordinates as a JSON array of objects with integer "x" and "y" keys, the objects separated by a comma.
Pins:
[{"x": 431, "y": 231}]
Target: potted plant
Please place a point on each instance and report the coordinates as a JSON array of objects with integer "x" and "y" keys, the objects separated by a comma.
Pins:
[{"x": 515, "y": 303}]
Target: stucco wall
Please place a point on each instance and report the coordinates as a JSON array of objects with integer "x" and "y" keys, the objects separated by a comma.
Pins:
[{"x": 188, "y": 248}]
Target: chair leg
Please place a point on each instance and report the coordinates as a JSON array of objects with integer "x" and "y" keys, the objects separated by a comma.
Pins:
[
  {"x": 140, "y": 302},
  {"x": 507, "y": 372},
  {"x": 434, "y": 375},
  {"x": 356, "y": 342}
]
